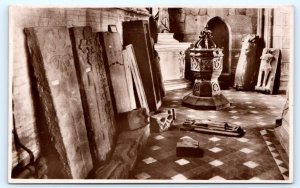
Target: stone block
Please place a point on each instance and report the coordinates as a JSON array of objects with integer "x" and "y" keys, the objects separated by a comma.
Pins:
[
  {"x": 240, "y": 24},
  {"x": 202, "y": 11},
  {"x": 285, "y": 55},
  {"x": 188, "y": 147},
  {"x": 277, "y": 41},
  {"x": 162, "y": 121},
  {"x": 240, "y": 11},
  {"x": 277, "y": 31},
  {"x": 286, "y": 31},
  {"x": 213, "y": 12},
  {"x": 252, "y": 12},
  {"x": 285, "y": 42},
  {"x": 194, "y": 11},
  {"x": 195, "y": 24},
  {"x": 134, "y": 119},
  {"x": 231, "y": 11}
]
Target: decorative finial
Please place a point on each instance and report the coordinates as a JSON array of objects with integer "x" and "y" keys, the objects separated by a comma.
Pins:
[{"x": 205, "y": 41}]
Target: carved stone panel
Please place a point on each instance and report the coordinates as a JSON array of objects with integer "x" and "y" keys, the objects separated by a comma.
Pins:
[
  {"x": 120, "y": 74},
  {"x": 267, "y": 70},
  {"x": 94, "y": 90},
  {"x": 245, "y": 75},
  {"x": 53, "y": 64}
]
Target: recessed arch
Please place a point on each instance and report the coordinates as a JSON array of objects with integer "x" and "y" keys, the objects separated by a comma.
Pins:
[{"x": 221, "y": 32}]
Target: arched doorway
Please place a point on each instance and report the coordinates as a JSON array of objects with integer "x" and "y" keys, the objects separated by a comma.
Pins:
[{"x": 221, "y": 36}]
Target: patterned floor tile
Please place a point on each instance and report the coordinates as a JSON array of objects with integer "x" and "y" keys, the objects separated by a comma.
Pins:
[
  {"x": 250, "y": 164},
  {"x": 217, "y": 178},
  {"x": 246, "y": 150},
  {"x": 154, "y": 148},
  {"x": 149, "y": 160},
  {"x": 215, "y": 149},
  {"x": 182, "y": 162},
  {"x": 143, "y": 176},
  {"x": 278, "y": 162},
  {"x": 255, "y": 178},
  {"x": 243, "y": 139},
  {"x": 237, "y": 123},
  {"x": 261, "y": 123},
  {"x": 214, "y": 139},
  {"x": 282, "y": 169},
  {"x": 216, "y": 163},
  {"x": 179, "y": 177},
  {"x": 159, "y": 137},
  {"x": 257, "y": 155},
  {"x": 268, "y": 143}
]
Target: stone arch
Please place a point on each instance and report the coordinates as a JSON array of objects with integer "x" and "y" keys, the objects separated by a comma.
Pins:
[{"x": 221, "y": 32}]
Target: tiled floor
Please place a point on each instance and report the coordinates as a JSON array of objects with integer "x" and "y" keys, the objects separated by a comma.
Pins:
[{"x": 257, "y": 155}]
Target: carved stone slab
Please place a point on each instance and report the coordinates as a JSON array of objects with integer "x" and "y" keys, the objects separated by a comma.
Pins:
[
  {"x": 120, "y": 75},
  {"x": 137, "y": 33},
  {"x": 129, "y": 147},
  {"x": 52, "y": 60},
  {"x": 94, "y": 90},
  {"x": 134, "y": 119},
  {"x": 129, "y": 58},
  {"x": 245, "y": 74},
  {"x": 162, "y": 121},
  {"x": 188, "y": 147},
  {"x": 267, "y": 70}
]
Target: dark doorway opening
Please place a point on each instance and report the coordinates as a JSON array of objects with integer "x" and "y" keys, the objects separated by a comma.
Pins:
[{"x": 221, "y": 37}]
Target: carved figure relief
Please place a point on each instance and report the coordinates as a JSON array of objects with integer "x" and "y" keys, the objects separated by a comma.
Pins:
[
  {"x": 181, "y": 58},
  {"x": 54, "y": 69},
  {"x": 162, "y": 20},
  {"x": 162, "y": 121},
  {"x": 245, "y": 70},
  {"x": 267, "y": 70},
  {"x": 94, "y": 89}
]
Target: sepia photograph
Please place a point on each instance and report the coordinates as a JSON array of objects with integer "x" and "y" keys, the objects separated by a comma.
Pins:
[{"x": 151, "y": 94}]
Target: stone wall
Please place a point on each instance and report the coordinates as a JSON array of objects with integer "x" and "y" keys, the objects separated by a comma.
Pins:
[
  {"x": 281, "y": 39},
  {"x": 26, "y": 113},
  {"x": 187, "y": 23}
]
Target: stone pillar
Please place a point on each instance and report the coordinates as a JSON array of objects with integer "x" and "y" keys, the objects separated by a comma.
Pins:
[{"x": 268, "y": 30}]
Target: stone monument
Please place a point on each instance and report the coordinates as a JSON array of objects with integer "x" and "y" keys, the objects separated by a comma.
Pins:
[
  {"x": 206, "y": 66},
  {"x": 171, "y": 53}
]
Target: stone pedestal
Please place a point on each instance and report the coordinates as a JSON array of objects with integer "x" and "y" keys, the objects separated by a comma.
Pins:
[
  {"x": 206, "y": 65},
  {"x": 172, "y": 61}
]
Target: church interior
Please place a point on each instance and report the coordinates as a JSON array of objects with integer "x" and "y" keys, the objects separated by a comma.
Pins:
[{"x": 151, "y": 94}]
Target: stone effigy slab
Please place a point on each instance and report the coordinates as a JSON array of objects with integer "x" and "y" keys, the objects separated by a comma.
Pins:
[
  {"x": 94, "y": 90},
  {"x": 52, "y": 59},
  {"x": 120, "y": 75}
]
